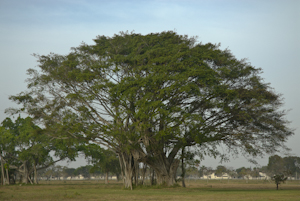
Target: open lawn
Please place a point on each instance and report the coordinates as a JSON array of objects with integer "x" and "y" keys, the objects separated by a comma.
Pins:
[{"x": 196, "y": 190}]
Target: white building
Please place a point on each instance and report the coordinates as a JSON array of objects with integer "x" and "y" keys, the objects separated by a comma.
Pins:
[
  {"x": 263, "y": 176},
  {"x": 214, "y": 176}
]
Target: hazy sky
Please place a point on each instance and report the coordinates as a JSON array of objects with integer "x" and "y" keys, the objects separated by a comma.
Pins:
[{"x": 266, "y": 32}]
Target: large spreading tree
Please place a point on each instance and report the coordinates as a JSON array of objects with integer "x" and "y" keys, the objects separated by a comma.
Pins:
[{"x": 149, "y": 96}]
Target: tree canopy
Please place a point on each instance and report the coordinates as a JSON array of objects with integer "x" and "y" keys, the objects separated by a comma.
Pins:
[
  {"x": 102, "y": 159},
  {"x": 25, "y": 148},
  {"x": 287, "y": 166},
  {"x": 149, "y": 96}
]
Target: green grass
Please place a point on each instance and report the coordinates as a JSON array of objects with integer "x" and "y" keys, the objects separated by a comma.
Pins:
[{"x": 196, "y": 190}]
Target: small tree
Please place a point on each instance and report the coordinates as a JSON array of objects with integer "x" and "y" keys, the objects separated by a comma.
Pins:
[
  {"x": 221, "y": 170},
  {"x": 279, "y": 179},
  {"x": 68, "y": 172},
  {"x": 231, "y": 173},
  {"x": 84, "y": 171}
]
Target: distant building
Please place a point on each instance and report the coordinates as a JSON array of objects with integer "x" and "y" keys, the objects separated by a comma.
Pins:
[
  {"x": 214, "y": 176},
  {"x": 262, "y": 176}
]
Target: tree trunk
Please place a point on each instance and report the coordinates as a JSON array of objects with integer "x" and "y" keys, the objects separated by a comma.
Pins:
[
  {"x": 118, "y": 176},
  {"x": 182, "y": 168},
  {"x": 136, "y": 172},
  {"x": 2, "y": 171},
  {"x": 165, "y": 171},
  {"x": 165, "y": 166},
  {"x": 29, "y": 179},
  {"x": 144, "y": 173},
  {"x": 152, "y": 176},
  {"x": 106, "y": 177},
  {"x": 121, "y": 166},
  {"x": 12, "y": 179},
  {"x": 24, "y": 173},
  {"x": 127, "y": 164},
  {"x": 35, "y": 174},
  {"x": 25, "y": 177},
  {"x": 7, "y": 176}
]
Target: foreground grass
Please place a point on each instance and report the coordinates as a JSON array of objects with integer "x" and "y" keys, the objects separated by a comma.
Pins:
[{"x": 196, "y": 190}]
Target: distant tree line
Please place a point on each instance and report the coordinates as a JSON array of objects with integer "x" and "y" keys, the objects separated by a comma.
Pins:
[
  {"x": 288, "y": 166},
  {"x": 58, "y": 172}
]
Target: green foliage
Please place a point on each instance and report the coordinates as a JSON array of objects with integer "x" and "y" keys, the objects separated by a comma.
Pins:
[
  {"x": 7, "y": 143},
  {"x": 23, "y": 140},
  {"x": 287, "y": 165},
  {"x": 68, "y": 172},
  {"x": 25, "y": 146},
  {"x": 84, "y": 171},
  {"x": 103, "y": 160},
  {"x": 149, "y": 95},
  {"x": 278, "y": 179},
  {"x": 242, "y": 172},
  {"x": 220, "y": 170}
]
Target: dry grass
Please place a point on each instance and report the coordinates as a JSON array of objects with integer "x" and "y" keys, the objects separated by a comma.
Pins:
[{"x": 196, "y": 190}]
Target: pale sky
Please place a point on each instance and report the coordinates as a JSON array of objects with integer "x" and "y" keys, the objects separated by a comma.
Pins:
[{"x": 266, "y": 32}]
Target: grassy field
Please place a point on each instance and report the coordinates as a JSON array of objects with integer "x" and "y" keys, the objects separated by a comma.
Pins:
[{"x": 196, "y": 190}]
